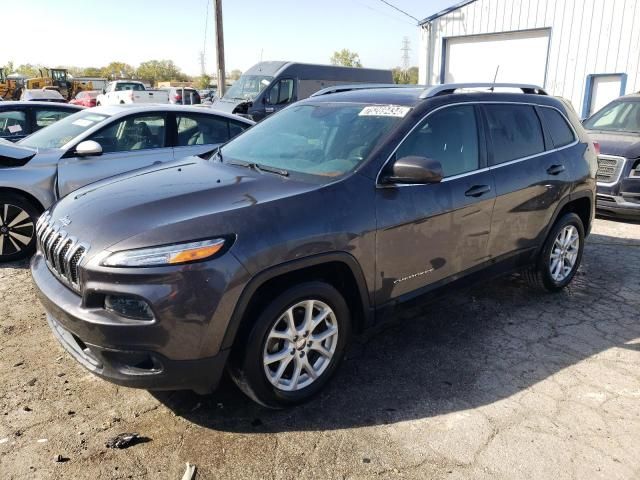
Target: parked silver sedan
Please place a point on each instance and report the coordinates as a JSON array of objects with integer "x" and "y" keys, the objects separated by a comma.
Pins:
[{"x": 91, "y": 145}]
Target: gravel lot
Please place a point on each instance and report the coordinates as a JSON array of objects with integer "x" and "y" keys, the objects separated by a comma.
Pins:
[{"x": 497, "y": 381}]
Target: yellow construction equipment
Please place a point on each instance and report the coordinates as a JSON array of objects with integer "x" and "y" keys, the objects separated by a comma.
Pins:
[
  {"x": 10, "y": 86},
  {"x": 58, "y": 79}
]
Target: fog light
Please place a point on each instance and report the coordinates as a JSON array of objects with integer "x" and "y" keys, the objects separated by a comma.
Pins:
[{"x": 128, "y": 307}]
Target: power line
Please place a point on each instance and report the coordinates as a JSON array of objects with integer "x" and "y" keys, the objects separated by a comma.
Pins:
[
  {"x": 400, "y": 10},
  {"x": 385, "y": 14}
]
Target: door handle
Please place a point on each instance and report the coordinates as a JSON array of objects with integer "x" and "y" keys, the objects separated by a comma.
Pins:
[
  {"x": 477, "y": 190},
  {"x": 555, "y": 169}
]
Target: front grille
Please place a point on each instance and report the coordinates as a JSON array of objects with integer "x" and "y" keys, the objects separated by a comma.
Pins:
[
  {"x": 609, "y": 168},
  {"x": 62, "y": 252}
]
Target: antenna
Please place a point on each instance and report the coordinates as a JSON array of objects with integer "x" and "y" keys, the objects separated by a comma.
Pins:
[{"x": 495, "y": 77}]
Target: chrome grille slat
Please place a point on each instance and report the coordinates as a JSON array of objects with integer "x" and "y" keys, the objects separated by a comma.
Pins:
[
  {"x": 609, "y": 169},
  {"x": 63, "y": 253}
]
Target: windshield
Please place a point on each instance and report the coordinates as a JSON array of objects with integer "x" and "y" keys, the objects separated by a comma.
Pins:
[
  {"x": 60, "y": 133},
  {"x": 623, "y": 116},
  {"x": 247, "y": 87},
  {"x": 326, "y": 140}
]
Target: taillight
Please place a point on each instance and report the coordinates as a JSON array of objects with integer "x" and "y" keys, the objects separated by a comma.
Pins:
[{"x": 596, "y": 147}]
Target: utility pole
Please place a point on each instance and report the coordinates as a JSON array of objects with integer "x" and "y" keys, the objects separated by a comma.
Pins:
[
  {"x": 405, "y": 53},
  {"x": 219, "y": 47}
]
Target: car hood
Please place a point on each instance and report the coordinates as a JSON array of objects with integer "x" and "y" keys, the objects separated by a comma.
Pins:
[
  {"x": 617, "y": 143},
  {"x": 226, "y": 106},
  {"x": 179, "y": 201}
]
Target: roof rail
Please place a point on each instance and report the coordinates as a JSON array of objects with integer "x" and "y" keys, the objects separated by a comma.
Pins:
[
  {"x": 360, "y": 86},
  {"x": 449, "y": 88}
]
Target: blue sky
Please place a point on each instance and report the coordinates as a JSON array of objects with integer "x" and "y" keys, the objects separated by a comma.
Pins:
[{"x": 93, "y": 33}]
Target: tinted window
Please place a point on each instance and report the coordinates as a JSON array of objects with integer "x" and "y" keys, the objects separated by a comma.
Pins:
[
  {"x": 201, "y": 130},
  {"x": 236, "y": 128},
  {"x": 621, "y": 116},
  {"x": 560, "y": 132},
  {"x": 450, "y": 136},
  {"x": 132, "y": 133},
  {"x": 515, "y": 132},
  {"x": 44, "y": 117},
  {"x": 281, "y": 92},
  {"x": 13, "y": 123}
]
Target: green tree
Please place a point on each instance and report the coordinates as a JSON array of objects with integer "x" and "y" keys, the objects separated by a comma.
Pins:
[
  {"x": 346, "y": 58},
  {"x": 117, "y": 70},
  {"x": 234, "y": 75},
  {"x": 29, "y": 70},
  {"x": 91, "y": 72},
  {"x": 155, "y": 71},
  {"x": 8, "y": 67},
  {"x": 203, "y": 81},
  {"x": 409, "y": 76}
]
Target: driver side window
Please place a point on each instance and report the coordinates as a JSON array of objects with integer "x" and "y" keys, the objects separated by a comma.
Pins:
[
  {"x": 132, "y": 133},
  {"x": 282, "y": 92},
  {"x": 449, "y": 136}
]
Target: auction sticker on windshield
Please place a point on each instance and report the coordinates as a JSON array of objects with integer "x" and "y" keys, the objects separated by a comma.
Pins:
[{"x": 384, "y": 111}]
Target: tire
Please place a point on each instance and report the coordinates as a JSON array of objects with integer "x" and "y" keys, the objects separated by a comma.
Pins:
[
  {"x": 543, "y": 274},
  {"x": 18, "y": 217},
  {"x": 299, "y": 352}
]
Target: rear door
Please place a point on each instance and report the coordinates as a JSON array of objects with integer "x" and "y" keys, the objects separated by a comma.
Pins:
[
  {"x": 428, "y": 233},
  {"x": 128, "y": 143},
  {"x": 531, "y": 176},
  {"x": 199, "y": 133}
]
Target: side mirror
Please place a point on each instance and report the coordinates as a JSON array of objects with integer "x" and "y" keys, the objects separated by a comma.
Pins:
[
  {"x": 414, "y": 169},
  {"x": 88, "y": 148}
]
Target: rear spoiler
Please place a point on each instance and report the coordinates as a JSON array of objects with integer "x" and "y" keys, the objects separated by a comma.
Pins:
[{"x": 12, "y": 155}]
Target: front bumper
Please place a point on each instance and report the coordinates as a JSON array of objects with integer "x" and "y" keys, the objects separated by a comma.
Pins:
[
  {"x": 618, "y": 206},
  {"x": 166, "y": 354}
]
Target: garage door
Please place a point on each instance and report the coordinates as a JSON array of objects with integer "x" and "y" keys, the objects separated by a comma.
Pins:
[{"x": 520, "y": 57}]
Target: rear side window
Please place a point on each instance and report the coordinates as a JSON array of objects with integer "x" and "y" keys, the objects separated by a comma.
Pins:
[
  {"x": 196, "y": 129},
  {"x": 561, "y": 133},
  {"x": 13, "y": 123},
  {"x": 515, "y": 132},
  {"x": 449, "y": 136}
]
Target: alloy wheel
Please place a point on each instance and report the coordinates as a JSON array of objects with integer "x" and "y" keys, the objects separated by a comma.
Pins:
[
  {"x": 16, "y": 229},
  {"x": 300, "y": 345},
  {"x": 564, "y": 253}
]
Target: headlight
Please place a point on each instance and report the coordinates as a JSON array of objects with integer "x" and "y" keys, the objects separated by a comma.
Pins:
[{"x": 168, "y": 255}]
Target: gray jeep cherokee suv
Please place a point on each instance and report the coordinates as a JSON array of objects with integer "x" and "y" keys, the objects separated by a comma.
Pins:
[{"x": 264, "y": 257}]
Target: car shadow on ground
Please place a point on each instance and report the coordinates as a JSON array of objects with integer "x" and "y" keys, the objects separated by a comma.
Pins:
[
  {"x": 19, "y": 265},
  {"x": 470, "y": 348}
]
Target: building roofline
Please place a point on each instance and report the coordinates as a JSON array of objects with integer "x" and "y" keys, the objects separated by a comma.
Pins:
[{"x": 447, "y": 10}]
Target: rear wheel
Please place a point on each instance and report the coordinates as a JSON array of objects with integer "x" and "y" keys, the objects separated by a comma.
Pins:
[
  {"x": 18, "y": 218},
  {"x": 560, "y": 257},
  {"x": 294, "y": 347}
]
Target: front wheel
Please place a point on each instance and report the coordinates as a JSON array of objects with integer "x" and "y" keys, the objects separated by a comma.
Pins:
[
  {"x": 18, "y": 219},
  {"x": 294, "y": 347},
  {"x": 560, "y": 257}
]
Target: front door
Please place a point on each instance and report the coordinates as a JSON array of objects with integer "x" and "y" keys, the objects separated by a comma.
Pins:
[
  {"x": 428, "y": 233},
  {"x": 128, "y": 143},
  {"x": 281, "y": 94}
]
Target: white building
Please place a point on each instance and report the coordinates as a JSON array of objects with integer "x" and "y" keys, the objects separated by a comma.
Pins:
[{"x": 587, "y": 51}]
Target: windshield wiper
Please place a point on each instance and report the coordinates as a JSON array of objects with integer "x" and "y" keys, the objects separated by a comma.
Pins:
[{"x": 258, "y": 167}]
